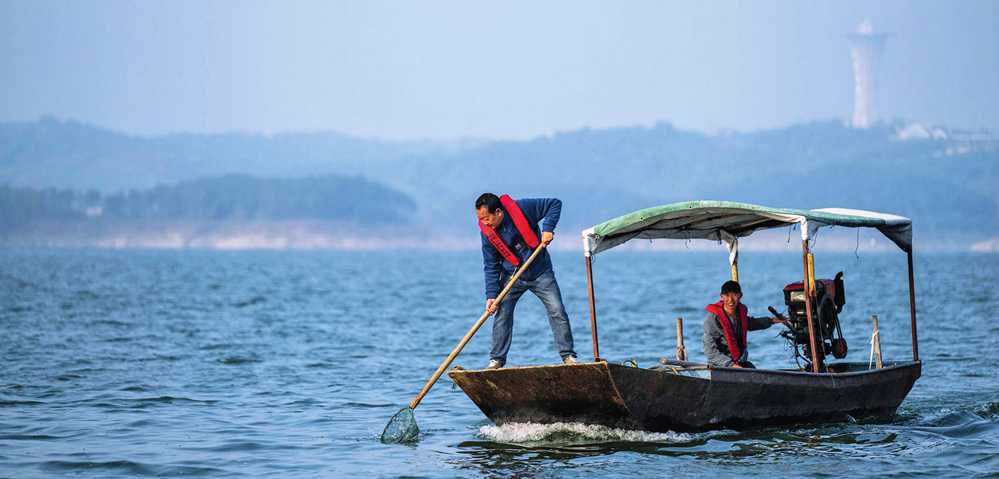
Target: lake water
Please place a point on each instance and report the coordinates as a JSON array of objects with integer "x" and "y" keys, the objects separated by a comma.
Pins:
[{"x": 289, "y": 364}]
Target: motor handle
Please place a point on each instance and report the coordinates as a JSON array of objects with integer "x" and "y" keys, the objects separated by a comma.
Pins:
[{"x": 776, "y": 314}]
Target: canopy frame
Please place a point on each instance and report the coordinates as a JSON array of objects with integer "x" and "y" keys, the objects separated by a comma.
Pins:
[{"x": 727, "y": 221}]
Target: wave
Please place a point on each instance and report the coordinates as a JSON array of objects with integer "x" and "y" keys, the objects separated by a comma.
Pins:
[
  {"x": 321, "y": 365},
  {"x": 131, "y": 468},
  {"x": 16, "y": 402},
  {"x": 29, "y": 437},
  {"x": 374, "y": 405},
  {"x": 238, "y": 360},
  {"x": 118, "y": 403},
  {"x": 250, "y": 302},
  {"x": 569, "y": 433},
  {"x": 173, "y": 399},
  {"x": 109, "y": 322},
  {"x": 962, "y": 423}
]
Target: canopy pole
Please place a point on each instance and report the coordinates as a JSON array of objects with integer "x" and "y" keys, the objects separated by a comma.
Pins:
[
  {"x": 808, "y": 305},
  {"x": 681, "y": 351},
  {"x": 912, "y": 309},
  {"x": 732, "y": 242},
  {"x": 593, "y": 307}
]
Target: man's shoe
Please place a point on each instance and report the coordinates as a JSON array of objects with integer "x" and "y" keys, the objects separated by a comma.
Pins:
[
  {"x": 570, "y": 360},
  {"x": 494, "y": 364}
]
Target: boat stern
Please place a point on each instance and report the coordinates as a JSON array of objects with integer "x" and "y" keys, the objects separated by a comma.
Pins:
[{"x": 582, "y": 392}]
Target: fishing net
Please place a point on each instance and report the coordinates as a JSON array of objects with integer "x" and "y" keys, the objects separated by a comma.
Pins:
[{"x": 401, "y": 428}]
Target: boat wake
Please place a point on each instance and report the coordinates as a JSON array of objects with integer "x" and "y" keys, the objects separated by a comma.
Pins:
[{"x": 572, "y": 433}]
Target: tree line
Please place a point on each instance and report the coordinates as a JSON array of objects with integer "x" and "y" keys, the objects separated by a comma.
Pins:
[{"x": 225, "y": 198}]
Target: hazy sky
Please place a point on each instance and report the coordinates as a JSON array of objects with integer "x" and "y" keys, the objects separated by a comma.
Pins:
[{"x": 448, "y": 70}]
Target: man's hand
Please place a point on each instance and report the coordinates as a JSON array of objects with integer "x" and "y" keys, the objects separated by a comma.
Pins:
[
  {"x": 736, "y": 365},
  {"x": 547, "y": 237},
  {"x": 491, "y": 305}
]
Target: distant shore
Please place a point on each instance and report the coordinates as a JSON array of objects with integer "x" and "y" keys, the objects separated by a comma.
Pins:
[{"x": 318, "y": 235}]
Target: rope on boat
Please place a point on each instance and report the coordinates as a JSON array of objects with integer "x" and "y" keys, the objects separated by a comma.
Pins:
[{"x": 673, "y": 368}]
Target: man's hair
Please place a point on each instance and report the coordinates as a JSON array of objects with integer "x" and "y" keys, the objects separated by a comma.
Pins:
[
  {"x": 490, "y": 201},
  {"x": 731, "y": 287}
]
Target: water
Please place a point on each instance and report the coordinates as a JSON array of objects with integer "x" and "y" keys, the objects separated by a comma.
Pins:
[{"x": 289, "y": 364}]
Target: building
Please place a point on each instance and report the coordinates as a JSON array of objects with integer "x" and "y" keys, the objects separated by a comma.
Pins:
[{"x": 866, "y": 48}]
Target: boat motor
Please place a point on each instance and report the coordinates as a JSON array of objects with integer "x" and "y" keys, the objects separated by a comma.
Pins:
[{"x": 830, "y": 296}]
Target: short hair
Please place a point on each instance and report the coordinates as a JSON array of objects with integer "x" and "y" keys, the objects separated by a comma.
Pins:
[
  {"x": 731, "y": 287},
  {"x": 490, "y": 201}
]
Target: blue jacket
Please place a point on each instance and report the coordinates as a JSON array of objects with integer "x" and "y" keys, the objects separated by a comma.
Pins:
[{"x": 544, "y": 210}]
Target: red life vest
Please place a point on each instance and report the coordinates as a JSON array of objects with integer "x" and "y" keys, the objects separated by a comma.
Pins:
[
  {"x": 523, "y": 227},
  {"x": 734, "y": 346}
]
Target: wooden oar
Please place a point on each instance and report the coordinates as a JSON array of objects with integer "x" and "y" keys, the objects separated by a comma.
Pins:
[
  {"x": 475, "y": 327},
  {"x": 402, "y": 426}
]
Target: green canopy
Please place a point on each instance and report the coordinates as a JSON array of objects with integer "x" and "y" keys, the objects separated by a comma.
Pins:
[{"x": 728, "y": 220}]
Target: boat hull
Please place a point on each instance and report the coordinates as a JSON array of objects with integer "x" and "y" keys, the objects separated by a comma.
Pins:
[{"x": 683, "y": 399}]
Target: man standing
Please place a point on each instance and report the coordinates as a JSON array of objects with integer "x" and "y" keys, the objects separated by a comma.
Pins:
[
  {"x": 509, "y": 236},
  {"x": 725, "y": 329}
]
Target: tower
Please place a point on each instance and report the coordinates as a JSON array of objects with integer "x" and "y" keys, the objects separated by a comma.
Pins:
[{"x": 865, "y": 50}]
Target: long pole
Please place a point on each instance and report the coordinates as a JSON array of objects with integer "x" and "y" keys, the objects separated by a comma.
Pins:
[
  {"x": 593, "y": 308},
  {"x": 808, "y": 306},
  {"x": 471, "y": 332},
  {"x": 912, "y": 310}
]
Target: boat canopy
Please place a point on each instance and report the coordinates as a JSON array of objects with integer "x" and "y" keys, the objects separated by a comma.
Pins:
[{"x": 728, "y": 221}]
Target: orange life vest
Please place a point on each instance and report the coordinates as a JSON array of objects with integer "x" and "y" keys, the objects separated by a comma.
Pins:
[
  {"x": 734, "y": 347},
  {"x": 523, "y": 227}
]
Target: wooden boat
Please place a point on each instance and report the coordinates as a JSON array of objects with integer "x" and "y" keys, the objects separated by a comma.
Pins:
[
  {"x": 684, "y": 396},
  {"x": 691, "y": 398}
]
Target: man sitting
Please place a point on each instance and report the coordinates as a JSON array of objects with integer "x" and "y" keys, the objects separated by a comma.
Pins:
[{"x": 725, "y": 329}]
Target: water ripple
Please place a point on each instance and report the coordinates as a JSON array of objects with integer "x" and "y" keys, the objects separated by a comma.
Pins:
[
  {"x": 16, "y": 403},
  {"x": 289, "y": 364}
]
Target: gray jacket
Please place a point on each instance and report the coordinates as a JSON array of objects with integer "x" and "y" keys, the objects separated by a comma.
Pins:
[{"x": 715, "y": 345}]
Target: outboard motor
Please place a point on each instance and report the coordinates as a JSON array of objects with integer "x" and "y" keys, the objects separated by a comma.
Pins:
[{"x": 830, "y": 297}]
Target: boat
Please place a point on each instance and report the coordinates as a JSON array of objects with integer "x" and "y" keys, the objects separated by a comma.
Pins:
[{"x": 679, "y": 395}]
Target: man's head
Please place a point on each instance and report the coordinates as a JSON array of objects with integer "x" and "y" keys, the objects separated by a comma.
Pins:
[
  {"x": 489, "y": 209},
  {"x": 731, "y": 294}
]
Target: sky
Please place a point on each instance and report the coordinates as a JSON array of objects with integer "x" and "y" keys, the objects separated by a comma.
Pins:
[{"x": 449, "y": 70}]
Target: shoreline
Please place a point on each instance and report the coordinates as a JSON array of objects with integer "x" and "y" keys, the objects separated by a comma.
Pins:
[{"x": 291, "y": 240}]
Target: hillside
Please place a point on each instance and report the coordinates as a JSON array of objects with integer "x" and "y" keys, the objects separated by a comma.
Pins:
[
  {"x": 68, "y": 154},
  {"x": 943, "y": 179},
  {"x": 608, "y": 172},
  {"x": 323, "y": 209}
]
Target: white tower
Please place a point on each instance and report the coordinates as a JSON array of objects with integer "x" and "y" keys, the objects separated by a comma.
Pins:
[{"x": 865, "y": 49}]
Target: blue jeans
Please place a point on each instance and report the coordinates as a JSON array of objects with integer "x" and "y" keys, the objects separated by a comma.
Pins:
[{"x": 546, "y": 289}]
